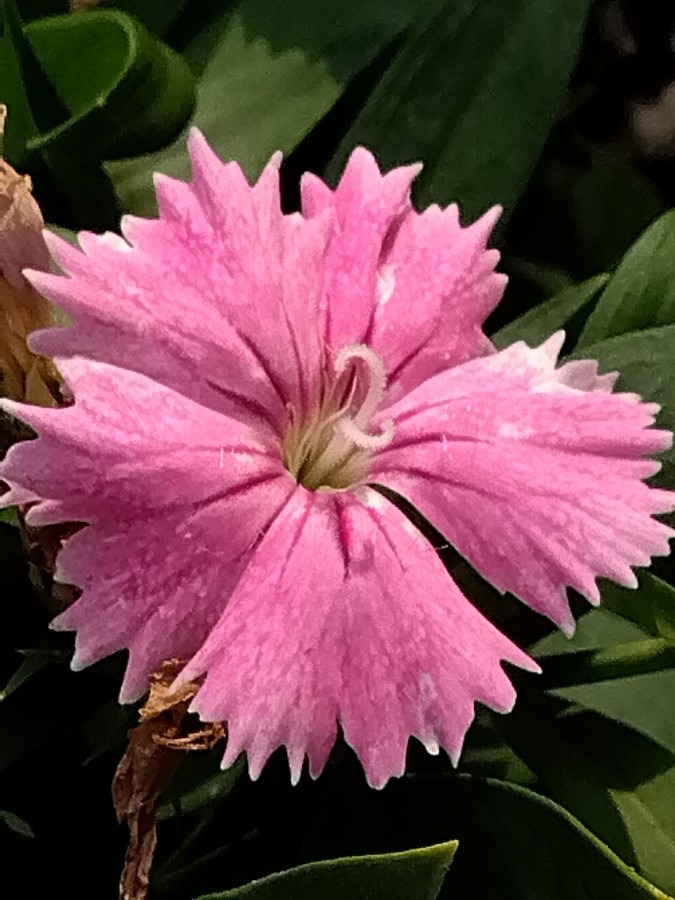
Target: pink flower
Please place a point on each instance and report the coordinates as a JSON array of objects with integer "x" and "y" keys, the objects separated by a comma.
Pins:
[{"x": 240, "y": 378}]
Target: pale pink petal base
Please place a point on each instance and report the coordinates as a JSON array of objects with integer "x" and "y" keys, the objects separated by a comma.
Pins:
[
  {"x": 537, "y": 483},
  {"x": 345, "y": 614}
]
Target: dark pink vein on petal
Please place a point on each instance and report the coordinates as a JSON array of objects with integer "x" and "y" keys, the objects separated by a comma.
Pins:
[
  {"x": 396, "y": 371},
  {"x": 262, "y": 362},
  {"x": 255, "y": 353},
  {"x": 434, "y": 438},
  {"x": 223, "y": 495},
  {"x": 388, "y": 540},
  {"x": 233, "y": 491},
  {"x": 435, "y": 478},
  {"x": 264, "y": 529},
  {"x": 296, "y": 354},
  {"x": 342, "y": 538},
  {"x": 252, "y": 406},
  {"x": 296, "y": 537}
]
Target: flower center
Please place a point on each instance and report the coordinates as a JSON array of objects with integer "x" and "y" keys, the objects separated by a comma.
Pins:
[{"x": 330, "y": 449}]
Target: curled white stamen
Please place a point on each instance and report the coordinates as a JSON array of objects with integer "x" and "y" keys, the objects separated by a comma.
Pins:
[
  {"x": 362, "y": 439},
  {"x": 332, "y": 448},
  {"x": 377, "y": 383}
]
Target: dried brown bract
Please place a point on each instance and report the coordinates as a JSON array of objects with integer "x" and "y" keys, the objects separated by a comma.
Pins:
[
  {"x": 156, "y": 745},
  {"x": 42, "y": 545},
  {"x": 25, "y": 376}
]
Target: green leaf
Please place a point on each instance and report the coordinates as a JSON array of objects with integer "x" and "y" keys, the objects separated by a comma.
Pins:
[
  {"x": 136, "y": 96},
  {"x": 497, "y": 761},
  {"x": 651, "y": 606},
  {"x": 410, "y": 875},
  {"x": 10, "y": 515},
  {"x": 618, "y": 783},
  {"x": 27, "y": 91},
  {"x": 606, "y": 647},
  {"x": 32, "y": 664},
  {"x": 641, "y": 293},
  {"x": 595, "y": 629},
  {"x": 48, "y": 649},
  {"x": 618, "y": 661},
  {"x": 540, "y": 277},
  {"x": 271, "y": 71},
  {"x": 646, "y": 610},
  {"x": 541, "y": 322},
  {"x": 212, "y": 789},
  {"x": 643, "y": 702},
  {"x": 16, "y": 824},
  {"x": 535, "y": 849},
  {"x": 645, "y": 362},
  {"x": 461, "y": 97},
  {"x": 157, "y": 15}
]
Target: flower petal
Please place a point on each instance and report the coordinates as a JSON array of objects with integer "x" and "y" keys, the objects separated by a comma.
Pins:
[
  {"x": 389, "y": 265},
  {"x": 220, "y": 298},
  {"x": 536, "y": 482},
  {"x": 129, "y": 446},
  {"x": 178, "y": 497},
  {"x": 156, "y": 585},
  {"x": 345, "y": 613},
  {"x": 438, "y": 278},
  {"x": 367, "y": 206}
]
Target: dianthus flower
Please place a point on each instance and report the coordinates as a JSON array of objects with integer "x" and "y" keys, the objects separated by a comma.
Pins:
[{"x": 241, "y": 378}]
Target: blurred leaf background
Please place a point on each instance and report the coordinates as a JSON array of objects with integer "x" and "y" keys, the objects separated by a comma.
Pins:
[{"x": 565, "y": 114}]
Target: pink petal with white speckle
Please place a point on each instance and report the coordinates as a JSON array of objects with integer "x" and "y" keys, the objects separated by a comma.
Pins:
[
  {"x": 178, "y": 497},
  {"x": 128, "y": 446},
  {"x": 388, "y": 264},
  {"x": 347, "y": 614},
  {"x": 538, "y": 484},
  {"x": 156, "y": 585},
  {"x": 367, "y": 207},
  {"x": 442, "y": 284},
  {"x": 221, "y": 247}
]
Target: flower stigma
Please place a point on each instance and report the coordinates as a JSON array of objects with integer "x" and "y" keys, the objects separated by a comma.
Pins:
[{"x": 330, "y": 449}]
